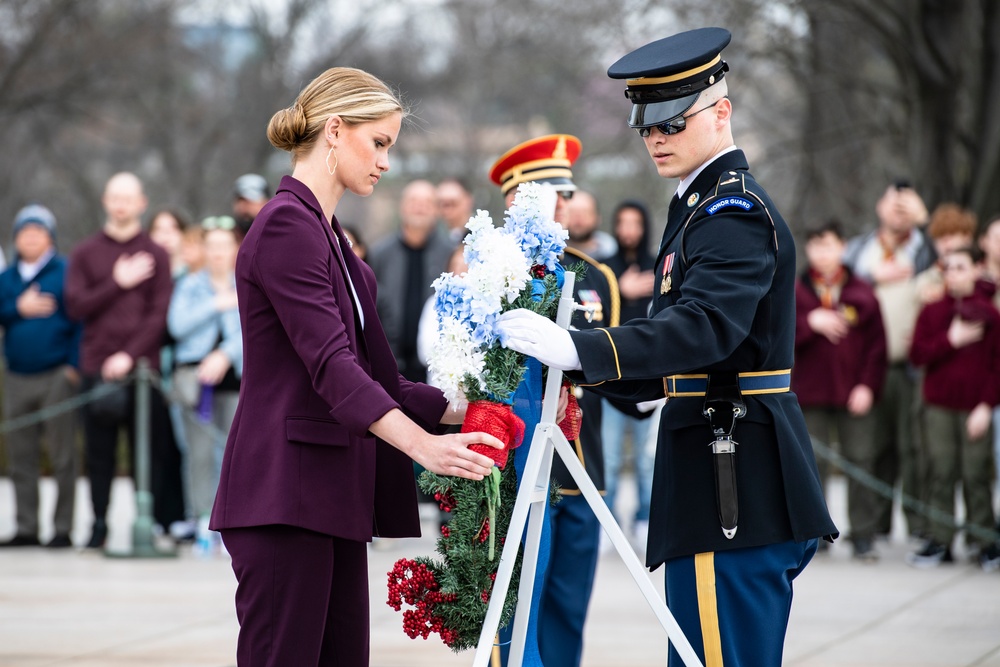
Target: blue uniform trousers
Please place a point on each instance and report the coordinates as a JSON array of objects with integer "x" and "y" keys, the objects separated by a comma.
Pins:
[
  {"x": 733, "y": 606},
  {"x": 569, "y": 581}
]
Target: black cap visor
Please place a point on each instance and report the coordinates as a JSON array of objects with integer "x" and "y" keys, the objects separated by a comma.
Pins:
[{"x": 654, "y": 113}]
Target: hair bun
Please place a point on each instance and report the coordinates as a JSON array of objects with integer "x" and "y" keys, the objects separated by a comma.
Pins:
[{"x": 287, "y": 128}]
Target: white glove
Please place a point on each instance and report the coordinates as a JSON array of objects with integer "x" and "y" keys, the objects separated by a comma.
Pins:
[
  {"x": 535, "y": 336},
  {"x": 649, "y": 406}
]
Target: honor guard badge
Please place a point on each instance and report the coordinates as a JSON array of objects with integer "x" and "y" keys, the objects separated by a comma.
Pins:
[
  {"x": 591, "y": 301},
  {"x": 668, "y": 265}
]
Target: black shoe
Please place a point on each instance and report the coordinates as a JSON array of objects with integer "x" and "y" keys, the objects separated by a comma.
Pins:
[
  {"x": 989, "y": 558},
  {"x": 60, "y": 541},
  {"x": 931, "y": 555},
  {"x": 864, "y": 551},
  {"x": 98, "y": 536},
  {"x": 22, "y": 541}
]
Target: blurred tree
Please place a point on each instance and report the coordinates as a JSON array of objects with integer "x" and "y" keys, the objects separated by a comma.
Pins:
[{"x": 832, "y": 100}]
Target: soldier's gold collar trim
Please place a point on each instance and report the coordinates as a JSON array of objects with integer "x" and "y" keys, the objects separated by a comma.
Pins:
[{"x": 655, "y": 81}]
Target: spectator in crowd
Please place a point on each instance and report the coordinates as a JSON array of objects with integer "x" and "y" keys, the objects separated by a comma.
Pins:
[
  {"x": 356, "y": 241},
  {"x": 193, "y": 249},
  {"x": 167, "y": 228},
  {"x": 205, "y": 322},
  {"x": 633, "y": 265},
  {"x": 250, "y": 193},
  {"x": 951, "y": 227},
  {"x": 889, "y": 257},
  {"x": 583, "y": 222},
  {"x": 989, "y": 243},
  {"x": 41, "y": 348},
  {"x": 405, "y": 265},
  {"x": 957, "y": 342},
  {"x": 118, "y": 284},
  {"x": 455, "y": 206},
  {"x": 840, "y": 365}
]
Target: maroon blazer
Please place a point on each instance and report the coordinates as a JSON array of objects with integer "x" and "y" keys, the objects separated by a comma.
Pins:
[
  {"x": 824, "y": 374},
  {"x": 299, "y": 451}
]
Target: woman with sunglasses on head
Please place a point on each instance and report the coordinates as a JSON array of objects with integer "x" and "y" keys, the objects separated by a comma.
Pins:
[
  {"x": 319, "y": 456},
  {"x": 204, "y": 322}
]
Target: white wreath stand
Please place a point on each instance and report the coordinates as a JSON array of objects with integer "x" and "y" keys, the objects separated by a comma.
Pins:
[{"x": 530, "y": 507}]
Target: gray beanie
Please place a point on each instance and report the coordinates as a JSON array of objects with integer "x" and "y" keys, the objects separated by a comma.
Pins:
[{"x": 35, "y": 214}]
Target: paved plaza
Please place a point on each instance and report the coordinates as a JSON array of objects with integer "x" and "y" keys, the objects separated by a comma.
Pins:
[{"x": 83, "y": 609}]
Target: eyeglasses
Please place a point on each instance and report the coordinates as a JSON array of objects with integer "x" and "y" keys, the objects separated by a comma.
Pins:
[
  {"x": 678, "y": 124},
  {"x": 225, "y": 222}
]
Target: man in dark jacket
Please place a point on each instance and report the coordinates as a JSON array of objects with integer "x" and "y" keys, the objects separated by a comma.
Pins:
[{"x": 41, "y": 347}]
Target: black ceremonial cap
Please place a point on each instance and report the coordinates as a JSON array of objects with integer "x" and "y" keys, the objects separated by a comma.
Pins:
[{"x": 664, "y": 78}]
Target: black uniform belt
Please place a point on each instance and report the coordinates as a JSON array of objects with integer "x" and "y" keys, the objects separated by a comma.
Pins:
[{"x": 754, "y": 382}]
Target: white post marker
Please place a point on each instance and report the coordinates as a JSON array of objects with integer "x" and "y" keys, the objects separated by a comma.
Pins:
[{"x": 530, "y": 508}]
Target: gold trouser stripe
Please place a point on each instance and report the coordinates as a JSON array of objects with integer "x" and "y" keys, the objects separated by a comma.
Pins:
[
  {"x": 708, "y": 610},
  {"x": 495, "y": 660},
  {"x": 614, "y": 349}
]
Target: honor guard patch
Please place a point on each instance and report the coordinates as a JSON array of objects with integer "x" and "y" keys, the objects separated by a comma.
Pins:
[
  {"x": 726, "y": 202},
  {"x": 693, "y": 199}
]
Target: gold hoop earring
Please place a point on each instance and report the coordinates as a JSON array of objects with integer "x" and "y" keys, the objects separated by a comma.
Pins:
[{"x": 335, "y": 161}]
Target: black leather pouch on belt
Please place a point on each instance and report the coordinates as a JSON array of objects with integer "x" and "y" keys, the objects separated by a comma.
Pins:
[{"x": 723, "y": 406}]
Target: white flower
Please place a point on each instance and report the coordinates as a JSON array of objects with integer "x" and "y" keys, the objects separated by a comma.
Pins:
[{"x": 455, "y": 356}]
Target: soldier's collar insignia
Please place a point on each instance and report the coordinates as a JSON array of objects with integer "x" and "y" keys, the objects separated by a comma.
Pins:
[{"x": 693, "y": 199}]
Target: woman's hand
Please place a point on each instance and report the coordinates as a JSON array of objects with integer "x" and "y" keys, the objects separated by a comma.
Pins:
[
  {"x": 441, "y": 454},
  {"x": 450, "y": 455}
]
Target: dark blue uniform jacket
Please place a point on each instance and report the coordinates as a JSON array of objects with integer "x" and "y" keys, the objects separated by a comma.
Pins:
[{"x": 730, "y": 306}]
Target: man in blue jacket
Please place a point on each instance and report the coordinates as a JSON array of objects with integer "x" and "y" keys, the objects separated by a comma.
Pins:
[{"x": 41, "y": 346}]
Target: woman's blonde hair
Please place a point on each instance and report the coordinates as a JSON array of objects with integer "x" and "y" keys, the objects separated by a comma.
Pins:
[{"x": 354, "y": 95}]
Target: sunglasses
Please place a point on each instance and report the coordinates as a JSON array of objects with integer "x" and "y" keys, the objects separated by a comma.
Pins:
[
  {"x": 225, "y": 222},
  {"x": 675, "y": 125}
]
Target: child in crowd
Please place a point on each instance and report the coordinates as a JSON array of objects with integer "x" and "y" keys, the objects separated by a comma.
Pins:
[
  {"x": 840, "y": 367},
  {"x": 957, "y": 342}
]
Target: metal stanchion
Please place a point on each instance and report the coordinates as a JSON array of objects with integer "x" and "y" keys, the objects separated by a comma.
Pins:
[{"x": 142, "y": 529}]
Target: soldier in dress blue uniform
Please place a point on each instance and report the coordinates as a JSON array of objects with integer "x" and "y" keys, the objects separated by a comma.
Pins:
[
  {"x": 575, "y": 531},
  {"x": 737, "y": 504}
]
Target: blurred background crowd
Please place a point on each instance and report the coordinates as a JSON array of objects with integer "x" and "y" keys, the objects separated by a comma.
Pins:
[{"x": 882, "y": 156}]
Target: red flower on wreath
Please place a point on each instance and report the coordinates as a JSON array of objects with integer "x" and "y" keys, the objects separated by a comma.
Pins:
[{"x": 498, "y": 420}]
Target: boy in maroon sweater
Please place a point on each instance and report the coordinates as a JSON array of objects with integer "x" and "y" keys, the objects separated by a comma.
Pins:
[
  {"x": 957, "y": 341},
  {"x": 118, "y": 284},
  {"x": 840, "y": 365}
]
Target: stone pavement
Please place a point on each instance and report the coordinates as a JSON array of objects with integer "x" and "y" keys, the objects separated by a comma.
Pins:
[{"x": 83, "y": 609}]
